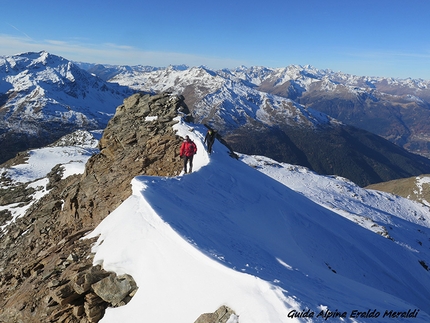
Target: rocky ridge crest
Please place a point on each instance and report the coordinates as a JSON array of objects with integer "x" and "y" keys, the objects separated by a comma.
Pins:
[{"x": 46, "y": 270}]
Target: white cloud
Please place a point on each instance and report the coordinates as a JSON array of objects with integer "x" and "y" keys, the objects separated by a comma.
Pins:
[{"x": 109, "y": 53}]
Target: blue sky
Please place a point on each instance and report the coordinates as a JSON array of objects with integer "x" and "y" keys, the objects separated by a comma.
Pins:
[{"x": 368, "y": 37}]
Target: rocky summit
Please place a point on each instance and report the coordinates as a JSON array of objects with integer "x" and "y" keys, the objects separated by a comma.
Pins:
[{"x": 46, "y": 269}]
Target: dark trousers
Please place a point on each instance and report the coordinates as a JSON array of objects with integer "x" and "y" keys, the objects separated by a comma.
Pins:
[
  {"x": 186, "y": 160},
  {"x": 210, "y": 143}
]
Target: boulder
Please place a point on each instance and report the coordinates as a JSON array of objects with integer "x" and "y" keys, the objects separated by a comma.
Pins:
[
  {"x": 115, "y": 289},
  {"x": 223, "y": 314}
]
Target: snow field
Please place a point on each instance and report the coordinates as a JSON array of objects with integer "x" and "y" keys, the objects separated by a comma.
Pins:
[{"x": 229, "y": 234}]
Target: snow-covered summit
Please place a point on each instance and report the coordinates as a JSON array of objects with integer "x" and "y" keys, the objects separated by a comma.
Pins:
[
  {"x": 265, "y": 241},
  {"x": 43, "y": 81},
  {"x": 44, "y": 97}
]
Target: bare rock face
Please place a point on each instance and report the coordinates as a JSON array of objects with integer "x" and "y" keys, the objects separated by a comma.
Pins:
[
  {"x": 139, "y": 140},
  {"x": 46, "y": 271}
]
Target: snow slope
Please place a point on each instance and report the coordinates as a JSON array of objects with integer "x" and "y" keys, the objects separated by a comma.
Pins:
[
  {"x": 33, "y": 172},
  {"x": 270, "y": 247}
]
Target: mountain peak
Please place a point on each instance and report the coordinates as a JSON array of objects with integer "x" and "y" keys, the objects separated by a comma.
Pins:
[{"x": 39, "y": 91}]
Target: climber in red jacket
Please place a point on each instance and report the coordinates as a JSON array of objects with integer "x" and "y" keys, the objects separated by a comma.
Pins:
[{"x": 188, "y": 150}]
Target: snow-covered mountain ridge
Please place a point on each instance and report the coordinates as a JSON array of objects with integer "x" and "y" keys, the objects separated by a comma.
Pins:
[
  {"x": 301, "y": 111},
  {"x": 389, "y": 107},
  {"x": 71, "y": 90},
  {"x": 43, "y": 96},
  {"x": 256, "y": 75},
  {"x": 303, "y": 77},
  {"x": 272, "y": 241}
]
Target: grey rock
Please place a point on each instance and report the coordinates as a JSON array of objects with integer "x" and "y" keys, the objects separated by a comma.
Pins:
[
  {"x": 221, "y": 315},
  {"x": 114, "y": 289}
]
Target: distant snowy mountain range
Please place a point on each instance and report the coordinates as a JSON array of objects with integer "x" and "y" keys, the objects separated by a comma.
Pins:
[
  {"x": 274, "y": 242},
  {"x": 296, "y": 114},
  {"x": 43, "y": 97},
  {"x": 396, "y": 109}
]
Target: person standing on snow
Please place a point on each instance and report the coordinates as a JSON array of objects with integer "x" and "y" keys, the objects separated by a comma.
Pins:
[
  {"x": 210, "y": 139},
  {"x": 187, "y": 151}
]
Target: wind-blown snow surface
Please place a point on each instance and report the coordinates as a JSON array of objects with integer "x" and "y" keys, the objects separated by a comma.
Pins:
[{"x": 266, "y": 246}]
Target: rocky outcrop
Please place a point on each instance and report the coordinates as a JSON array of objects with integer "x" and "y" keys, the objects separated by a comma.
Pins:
[
  {"x": 87, "y": 293},
  {"x": 138, "y": 140},
  {"x": 46, "y": 271},
  {"x": 221, "y": 315}
]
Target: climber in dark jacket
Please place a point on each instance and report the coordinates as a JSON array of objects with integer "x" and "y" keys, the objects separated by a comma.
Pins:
[
  {"x": 210, "y": 139},
  {"x": 187, "y": 151}
]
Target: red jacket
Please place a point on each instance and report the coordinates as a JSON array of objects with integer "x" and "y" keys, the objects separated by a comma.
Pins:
[{"x": 188, "y": 148}]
